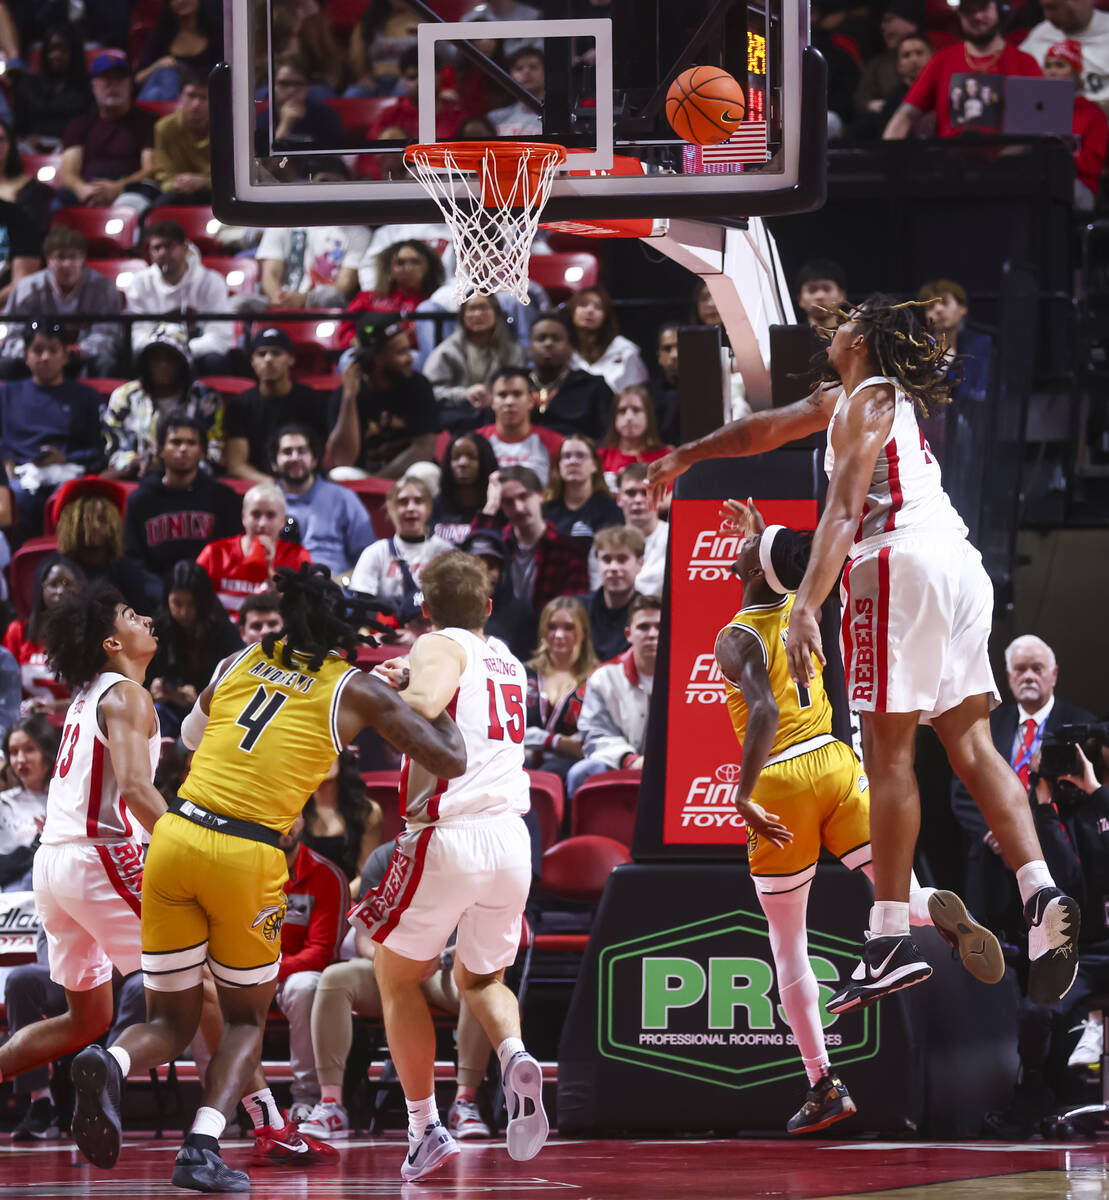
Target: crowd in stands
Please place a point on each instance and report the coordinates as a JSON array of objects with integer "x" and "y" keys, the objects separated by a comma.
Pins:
[{"x": 185, "y": 459}]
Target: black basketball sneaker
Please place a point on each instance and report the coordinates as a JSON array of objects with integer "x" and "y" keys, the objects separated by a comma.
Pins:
[
  {"x": 828, "y": 1101},
  {"x": 889, "y": 963},
  {"x": 1053, "y": 921}
]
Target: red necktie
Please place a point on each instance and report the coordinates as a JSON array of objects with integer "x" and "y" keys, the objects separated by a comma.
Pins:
[{"x": 1024, "y": 757}]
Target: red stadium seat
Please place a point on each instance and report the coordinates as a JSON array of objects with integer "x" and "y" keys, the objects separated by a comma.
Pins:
[
  {"x": 227, "y": 385},
  {"x": 322, "y": 383},
  {"x": 21, "y": 573},
  {"x": 160, "y": 108},
  {"x": 578, "y": 868},
  {"x": 345, "y": 14},
  {"x": 315, "y": 343},
  {"x": 562, "y": 274},
  {"x": 384, "y": 787},
  {"x": 198, "y": 222},
  {"x": 239, "y": 486},
  {"x": 605, "y": 805},
  {"x": 44, "y": 167},
  {"x": 548, "y": 801},
  {"x": 120, "y": 270},
  {"x": 240, "y": 274},
  {"x": 358, "y": 113},
  {"x": 109, "y": 232},
  {"x": 372, "y": 493}
]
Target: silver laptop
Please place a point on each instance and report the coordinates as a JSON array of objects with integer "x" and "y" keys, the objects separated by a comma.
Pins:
[{"x": 1038, "y": 107}]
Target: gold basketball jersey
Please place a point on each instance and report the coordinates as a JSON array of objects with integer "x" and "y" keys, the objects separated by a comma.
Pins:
[
  {"x": 272, "y": 736},
  {"x": 803, "y": 713}
]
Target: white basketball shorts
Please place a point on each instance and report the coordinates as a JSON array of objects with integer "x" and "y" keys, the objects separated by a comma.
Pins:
[
  {"x": 917, "y": 612},
  {"x": 87, "y": 896},
  {"x": 474, "y": 873}
]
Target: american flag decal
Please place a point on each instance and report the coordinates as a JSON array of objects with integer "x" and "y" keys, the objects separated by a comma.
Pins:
[{"x": 747, "y": 145}]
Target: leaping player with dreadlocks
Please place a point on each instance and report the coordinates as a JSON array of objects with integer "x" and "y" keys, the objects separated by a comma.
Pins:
[
  {"x": 265, "y": 731},
  {"x": 917, "y": 608}
]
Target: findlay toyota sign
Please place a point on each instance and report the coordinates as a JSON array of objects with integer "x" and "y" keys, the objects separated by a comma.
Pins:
[
  {"x": 704, "y": 595},
  {"x": 700, "y": 1000}
]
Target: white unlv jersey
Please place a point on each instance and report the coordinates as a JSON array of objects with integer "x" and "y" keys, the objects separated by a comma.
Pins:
[
  {"x": 84, "y": 801},
  {"x": 906, "y": 490},
  {"x": 488, "y": 709}
]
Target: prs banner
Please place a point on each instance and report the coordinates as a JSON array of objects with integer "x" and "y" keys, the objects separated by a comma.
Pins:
[
  {"x": 19, "y": 923},
  {"x": 702, "y": 769}
]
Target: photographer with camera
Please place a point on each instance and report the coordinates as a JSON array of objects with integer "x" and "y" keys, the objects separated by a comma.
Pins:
[{"x": 1041, "y": 735}]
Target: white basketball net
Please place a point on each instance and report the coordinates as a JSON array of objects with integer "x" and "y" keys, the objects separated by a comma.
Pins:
[{"x": 493, "y": 223}]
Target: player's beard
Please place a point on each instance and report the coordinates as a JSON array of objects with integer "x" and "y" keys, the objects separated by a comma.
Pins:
[{"x": 985, "y": 37}]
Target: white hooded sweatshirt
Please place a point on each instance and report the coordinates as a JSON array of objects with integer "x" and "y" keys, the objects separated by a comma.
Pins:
[{"x": 199, "y": 288}]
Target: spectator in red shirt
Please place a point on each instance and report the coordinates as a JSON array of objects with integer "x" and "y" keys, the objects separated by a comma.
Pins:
[
  {"x": 963, "y": 83},
  {"x": 632, "y": 432},
  {"x": 55, "y": 578},
  {"x": 243, "y": 564},
  {"x": 407, "y": 274},
  {"x": 515, "y": 441},
  {"x": 313, "y": 930},
  {"x": 1090, "y": 129}
]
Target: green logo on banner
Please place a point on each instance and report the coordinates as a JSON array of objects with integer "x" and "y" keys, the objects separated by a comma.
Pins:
[{"x": 700, "y": 1001}]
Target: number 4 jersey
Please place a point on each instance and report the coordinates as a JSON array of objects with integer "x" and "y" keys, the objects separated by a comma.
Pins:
[
  {"x": 488, "y": 709},
  {"x": 803, "y": 713},
  {"x": 272, "y": 736}
]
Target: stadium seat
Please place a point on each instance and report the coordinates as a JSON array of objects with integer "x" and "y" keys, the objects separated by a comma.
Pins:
[
  {"x": 227, "y": 385},
  {"x": 562, "y": 274},
  {"x": 104, "y": 386},
  {"x": 44, "y": 167},
  {"x": 109, "y": 232},
  {"x": 384, "y": 787},
  {"x": 372, "y": 493},
  {"x": 316, "y": 345},
  {"x": 160, "y": 108},
  {"x": 120, "y": 270},
  {"x": 605, "y": 805},
  {"x": 344, "y": 14},
  {"x": 239, "y": 486},
  {"x": 358, "y": 113},
  {"x": 21, "y": 573},
  {"x": 322, "y": 383},
  {"x": 240, "y": 274},
  {"x": 199, "y": 224},
  {"x": 548, "y": 802}
]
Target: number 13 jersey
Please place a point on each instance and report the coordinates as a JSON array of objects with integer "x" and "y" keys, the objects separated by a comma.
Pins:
[
  {"x": 803, "y": 713},
  {"x": 488, "y": 709},
  {"x": 271, "y": 737}
]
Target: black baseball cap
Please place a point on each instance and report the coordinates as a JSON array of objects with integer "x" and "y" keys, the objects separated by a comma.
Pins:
[
  {"x": 271, "y": 337},
  {"x": 485, "y": 543}
]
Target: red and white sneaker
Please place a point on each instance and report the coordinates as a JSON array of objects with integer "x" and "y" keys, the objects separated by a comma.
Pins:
[
  {"x": 327, "y": 1121},
  {"x": 288, "y": 1147}
]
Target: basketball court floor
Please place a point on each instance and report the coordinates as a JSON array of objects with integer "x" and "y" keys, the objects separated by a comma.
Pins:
[{"x": 693, "y": 1169}]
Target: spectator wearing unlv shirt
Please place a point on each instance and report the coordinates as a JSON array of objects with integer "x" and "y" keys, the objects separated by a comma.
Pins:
[
  {"x": 955, "y": 81},
  {"x": 174, "y": 514},
  {"x": 515, "y": 441}
]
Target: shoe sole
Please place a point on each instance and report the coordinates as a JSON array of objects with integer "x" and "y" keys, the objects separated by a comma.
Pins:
[
  {"x": 978, "y": 949},
  {"x": 864, "y": 999},
  {"x": 842, "y": 1115},
  {"x": 432, "y": 1166},
  {"x": 526, "y": 1135},
  {"x": 326, "y": 1135},
  {"x": 183, "y": 1177},
  {"x": 1051, "y": 975},
  {"x": 96, "y": 1127}
]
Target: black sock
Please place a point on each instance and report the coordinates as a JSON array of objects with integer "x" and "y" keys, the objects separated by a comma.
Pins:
[{"x": 202, "y": 1141}]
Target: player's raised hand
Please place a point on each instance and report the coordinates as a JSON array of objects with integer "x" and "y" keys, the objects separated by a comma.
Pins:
[
  {"x": 765, "y": 824},
  {"x": 663, "y": 471},
  {"x": 802, "y": 644},
  {"x": 744, "y": 516}
]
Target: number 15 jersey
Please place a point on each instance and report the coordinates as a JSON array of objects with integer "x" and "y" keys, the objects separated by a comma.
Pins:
[
  {"x": 803, "y": 713},
  {"x": 271, "y": 737},
  {"x": 488, "y": 709}
]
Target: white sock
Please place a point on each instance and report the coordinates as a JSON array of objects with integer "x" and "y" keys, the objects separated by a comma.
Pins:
[
  {"x": 889, "y": 917},
  {"x": 421, "y": 1114},
  {"x": 1031, "y": 877},
  {"x": 507, "y": 1049},
  {"x": 263, "y": 1109},
  {"x": 209, "y": 1122},
  {"x": 817, "y": 1068},
  {"x": 918, "y": 906},
  {"x": 122, "y": 1057}
]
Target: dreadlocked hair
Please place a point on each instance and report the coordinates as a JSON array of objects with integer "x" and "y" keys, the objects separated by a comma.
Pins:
[
  {"x": 905, "y": 351},
  {"x": 73, "y": 632},
  {"x": 318, "y": 618}
]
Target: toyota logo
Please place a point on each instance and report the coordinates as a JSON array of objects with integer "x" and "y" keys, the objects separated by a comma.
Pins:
[{"x": 727, "y": 773}]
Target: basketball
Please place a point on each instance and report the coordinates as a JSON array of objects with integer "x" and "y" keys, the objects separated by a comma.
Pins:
[{"x": 705, "y": 105}]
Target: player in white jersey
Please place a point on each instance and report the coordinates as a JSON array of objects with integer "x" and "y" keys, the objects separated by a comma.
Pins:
[
  {"x": 88, "y": 868},
  {"x": 917, "y": 607},
  {"x": 464, "y": 860}
]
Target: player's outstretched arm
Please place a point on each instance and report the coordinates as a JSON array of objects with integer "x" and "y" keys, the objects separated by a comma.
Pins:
[
  {"x": 742, "y": 661},
  {"x": 368, "y": 703},
  {"x": 435, "y": 666},
  {"x": 196, "y": 720},
  {"x": 753, "y": 434},
  {"x": 127, "y": 716}
]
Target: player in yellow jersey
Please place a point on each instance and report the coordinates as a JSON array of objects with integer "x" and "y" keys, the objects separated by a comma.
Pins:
[
  {"x": 266, "y": 730},
  {"x": 800, "y": 789}
]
